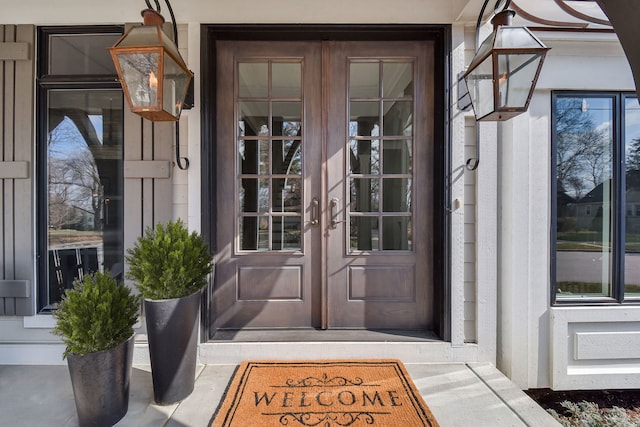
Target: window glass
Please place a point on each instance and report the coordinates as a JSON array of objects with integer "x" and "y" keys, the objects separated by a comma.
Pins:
[
  {"x": 585, "y": 189},
  {"x": 84, "y": 162},
  {"x": 80, "y": 160},
  {"x": 597, "y": 203},
  {"x": 73, "y": 54},
  {"x": 632, "y": 197}
]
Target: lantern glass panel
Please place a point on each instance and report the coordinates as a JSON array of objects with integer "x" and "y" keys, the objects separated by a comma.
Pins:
[
  {"x": 516, "y": 73},
  {"x": 515, "y": 38},
  {"x": 176, "y": 83},
  {"x": 140, "y": 74},
  {"x": 480, "y": 84}
]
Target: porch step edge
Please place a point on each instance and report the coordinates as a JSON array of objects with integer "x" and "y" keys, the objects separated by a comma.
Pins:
[{"x": 230, "y": 353}]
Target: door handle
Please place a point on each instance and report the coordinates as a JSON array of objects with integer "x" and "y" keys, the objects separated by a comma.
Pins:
[
  {"x": 333, "y": 204},
  {"x": 315, "y": 211}
]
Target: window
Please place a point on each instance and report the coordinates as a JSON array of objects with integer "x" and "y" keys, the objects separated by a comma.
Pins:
[
  {"x": 80, "y": 158},
  {"x": 596, "y": 233}
]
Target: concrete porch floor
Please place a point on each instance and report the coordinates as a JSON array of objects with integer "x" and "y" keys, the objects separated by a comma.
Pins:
[{"x": 458, "y": 395}]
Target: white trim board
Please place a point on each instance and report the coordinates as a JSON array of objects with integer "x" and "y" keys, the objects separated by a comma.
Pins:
[{"x": 585, "y": 347}]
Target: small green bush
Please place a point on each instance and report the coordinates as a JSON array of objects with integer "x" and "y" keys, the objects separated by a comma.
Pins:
[
  {"x": 169, "y": 262},
  {"x": 97, "y": 314},
  {"x": 588, "y": 414}
]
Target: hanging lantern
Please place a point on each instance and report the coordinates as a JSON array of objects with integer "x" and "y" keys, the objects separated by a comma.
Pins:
[
  {"x": 503, "y": 73},
  {"x": 154, "y": 78}
]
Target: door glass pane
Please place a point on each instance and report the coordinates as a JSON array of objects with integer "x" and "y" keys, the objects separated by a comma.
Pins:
[
  {"x": 396, "y": 233},
  {"x": 286, "y": 195},
  {"x": 253, "y": 79},
  {"x": 286, "y": 157},
  {"x": 365, "y": 118},
  {"x": 386, "y": 160},
  {"x": 364, "y": 233},
  {"x": 85, "y": 185},
  {"x": 287, "y": 118},
  {"x": 286, "y": 233},
  {"x": 254, "y": 118},
  {"x": 271, "y": 168},
  {"x": 364, "y": 195},
  {"x": 584, "y": 143},
  {"x": 254, "y": 195},
  {"x": 397, "y": 118},
  {"x": 254, "y": 233},
  {"x": 396, "y": 195},
  {"x": 286, "y": 80},
  {"x": 364, "y": 80},
  {"x": 398, "y": 79},
  {"x": 632, "y": 202},
  {"x": 397, "y": 157},
  {"x": 253, "y": 156},
  {"x": 364, "y": 157}
]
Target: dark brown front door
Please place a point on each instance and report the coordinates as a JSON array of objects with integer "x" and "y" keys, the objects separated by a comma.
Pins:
[{"x": 324, "y": 179}]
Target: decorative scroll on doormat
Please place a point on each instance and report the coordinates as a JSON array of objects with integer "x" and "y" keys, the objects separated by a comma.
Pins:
[{"x": 325, "y": 393}]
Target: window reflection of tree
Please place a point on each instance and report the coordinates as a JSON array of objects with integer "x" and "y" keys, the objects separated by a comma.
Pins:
[
  {"x": 583, "y": 165},
  {"x": 365, "y": 159},
  {"x": 90, "y": 181},
  {"x": 280, "y": 157}
]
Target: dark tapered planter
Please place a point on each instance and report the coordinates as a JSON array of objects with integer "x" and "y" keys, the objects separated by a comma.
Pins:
[
  {"x": 100, "y": 384},
  {"x": 172, "y": 328}
]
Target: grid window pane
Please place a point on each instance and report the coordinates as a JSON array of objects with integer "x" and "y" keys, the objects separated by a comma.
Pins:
[
  {"x": 364, "y": 234},
  {"x": 270, "y": 162}
]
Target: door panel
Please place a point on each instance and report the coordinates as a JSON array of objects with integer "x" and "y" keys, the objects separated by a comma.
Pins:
[
  {"x": 324, "y": 177},
  {"x": 268, "y": 145},
  {"x": 380, "y": 142}
]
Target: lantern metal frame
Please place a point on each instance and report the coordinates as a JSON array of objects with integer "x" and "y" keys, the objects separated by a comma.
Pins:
[
  {"x": 502, "y": 21},
  {"x": 502, "y": 17},
  {"x": 163, "y": 46}
]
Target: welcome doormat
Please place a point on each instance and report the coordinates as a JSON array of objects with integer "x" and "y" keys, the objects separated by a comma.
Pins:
[{"x": 325, "y": 393}]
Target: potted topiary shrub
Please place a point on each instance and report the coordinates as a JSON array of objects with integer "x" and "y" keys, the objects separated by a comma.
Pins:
[
  {"x": 95, "y": 320},
  {"x": 169, "y": 266}
]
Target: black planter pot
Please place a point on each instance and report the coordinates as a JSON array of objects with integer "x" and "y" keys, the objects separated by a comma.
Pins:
[
  {"x": 100, "y": 384},
  {"x": 172, "y": 328}
]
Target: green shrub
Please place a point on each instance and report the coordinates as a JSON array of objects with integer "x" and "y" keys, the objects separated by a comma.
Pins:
[
  {"x": 97, "y": 314},
  {"x": 588, "y": 414},
  {"x": 169, "y": 262}
]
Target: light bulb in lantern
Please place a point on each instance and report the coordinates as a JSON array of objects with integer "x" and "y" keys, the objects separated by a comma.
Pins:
[{"x": 153, "y": 80}]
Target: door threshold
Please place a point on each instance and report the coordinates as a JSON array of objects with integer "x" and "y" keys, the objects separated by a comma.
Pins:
[{"x": 318, "y": 335}]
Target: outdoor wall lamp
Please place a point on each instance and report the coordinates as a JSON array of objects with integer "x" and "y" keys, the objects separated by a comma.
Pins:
[
  {"x": 504, "y": 71},
  {"x": 154, "y": 77}
]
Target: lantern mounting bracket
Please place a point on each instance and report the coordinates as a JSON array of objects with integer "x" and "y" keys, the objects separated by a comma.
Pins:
[
  {"x": 473, "y": 162},
  {"x": 503, "y": 73},
  {"x": 187, "y": 105}
]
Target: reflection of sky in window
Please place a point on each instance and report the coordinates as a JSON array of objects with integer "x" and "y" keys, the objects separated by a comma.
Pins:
[
  {"x": 600, "y": 112},
  {"x": 66, "y": 139},
  {"x": 96, "y": 121}
]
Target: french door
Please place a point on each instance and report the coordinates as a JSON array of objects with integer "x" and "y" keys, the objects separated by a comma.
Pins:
[{"x": 324, "y": 185}]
